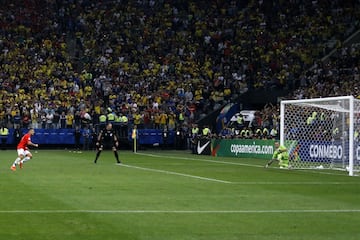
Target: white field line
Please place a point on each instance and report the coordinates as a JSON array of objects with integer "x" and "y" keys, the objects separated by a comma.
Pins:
[
  {"x": 320, "y": 172},
  {"x": 175, "y": 173},
  {"x": 297, "y": 183},
  {"x": 183, "y": 211},
  {"x": 201, "y": 160},
  {"x": 238, "y": 183},
  {"x": 233, "y": 163}
]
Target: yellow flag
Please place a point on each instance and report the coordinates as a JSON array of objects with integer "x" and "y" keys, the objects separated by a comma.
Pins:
[{"x": 133, "y": 135}]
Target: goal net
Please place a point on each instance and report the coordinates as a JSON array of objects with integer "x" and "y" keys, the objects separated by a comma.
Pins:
[{"x": 322, "y": 133}]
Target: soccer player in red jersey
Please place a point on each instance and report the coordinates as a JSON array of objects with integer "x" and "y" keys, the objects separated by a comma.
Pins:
[{"x": 23, "y": 151}]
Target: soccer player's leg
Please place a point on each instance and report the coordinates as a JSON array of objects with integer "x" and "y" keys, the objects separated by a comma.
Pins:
[
  {"x": 98, "y": 152},
  {"x": 27, "y": 157},
  {"x": 21, "y": 155},
  {"x": 116, "y": 154},
  {"x": 284, "y": 160},
  {"x": 280, "y": 160}
]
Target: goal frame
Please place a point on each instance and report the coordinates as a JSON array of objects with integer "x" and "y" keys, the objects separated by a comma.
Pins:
[{"x": 350, "y": 133}]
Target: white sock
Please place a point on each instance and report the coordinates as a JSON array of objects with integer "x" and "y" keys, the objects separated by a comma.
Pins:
[
  {"x": 25, "y": 159},
  {"x": 16, "y": 161}
]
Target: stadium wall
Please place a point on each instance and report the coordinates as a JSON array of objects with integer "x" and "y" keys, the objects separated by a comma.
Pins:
[{"x": 58, "y": 137}]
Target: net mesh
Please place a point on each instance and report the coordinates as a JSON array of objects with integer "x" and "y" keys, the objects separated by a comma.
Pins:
[{"x": 316, "y": 133}]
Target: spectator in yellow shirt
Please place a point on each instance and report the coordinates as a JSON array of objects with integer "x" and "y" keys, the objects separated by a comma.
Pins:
[{"x": 69, "y": 120}]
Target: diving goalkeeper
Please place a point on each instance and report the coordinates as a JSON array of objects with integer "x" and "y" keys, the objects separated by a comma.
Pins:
[{"x": 281, "y": 155}]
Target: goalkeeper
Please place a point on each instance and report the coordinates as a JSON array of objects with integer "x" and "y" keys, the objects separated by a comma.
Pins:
[{"x": 281, "y": 155}]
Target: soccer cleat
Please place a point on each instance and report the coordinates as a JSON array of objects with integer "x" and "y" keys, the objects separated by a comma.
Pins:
[
  {"x": 13, "y": 168},
  {"x": 267, "y": 165},
  {"x": 21, "y": 165}
]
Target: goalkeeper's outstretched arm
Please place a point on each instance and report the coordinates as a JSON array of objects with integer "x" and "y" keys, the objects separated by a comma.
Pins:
[
  {"x": 275, "y": 155},
  {"x": 270, "y": 162}
]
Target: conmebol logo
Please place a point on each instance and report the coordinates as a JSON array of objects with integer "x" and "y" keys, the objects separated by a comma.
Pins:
[{"x": 325, "y": 151}]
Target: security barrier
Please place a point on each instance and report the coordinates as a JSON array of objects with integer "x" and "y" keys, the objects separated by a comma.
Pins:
[
  {"x": 152, "y": 136},
  {"x": 66, "y": 136}
]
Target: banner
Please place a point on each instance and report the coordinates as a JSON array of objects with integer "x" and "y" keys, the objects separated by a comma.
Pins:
[
  {"x": 203, "y": 147},
  {"x": 244, "y": 148},
  {"x": 326, "y": 151}
]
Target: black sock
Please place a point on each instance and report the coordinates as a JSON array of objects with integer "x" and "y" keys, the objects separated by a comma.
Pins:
[
  {"x": 116, "y": 156},
  {"x": 97, "y": 156}
]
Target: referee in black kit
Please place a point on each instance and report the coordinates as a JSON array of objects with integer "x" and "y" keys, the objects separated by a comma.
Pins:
[{"x": 107, "y": 139}]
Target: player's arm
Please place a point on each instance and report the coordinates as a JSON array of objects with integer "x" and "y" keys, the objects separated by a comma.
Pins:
[
  {"x": 274, "y": 158},
  {"x": 30, "y": 143},
  {"x": 277, "y": 152},
  {"x": 99, "y": 138},
  {"x": 116, "y": 142}
]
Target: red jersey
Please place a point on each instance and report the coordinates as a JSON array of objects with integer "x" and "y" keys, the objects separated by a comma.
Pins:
[{"x": 24, "y": 141}]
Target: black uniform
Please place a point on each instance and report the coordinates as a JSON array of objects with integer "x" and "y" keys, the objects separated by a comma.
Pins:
[
  {"x": 77, "y": 138},
  {"x": 107, "y": 139}
]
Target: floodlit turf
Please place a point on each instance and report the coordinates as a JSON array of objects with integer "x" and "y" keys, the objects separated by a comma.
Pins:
[{"x": 172, "y": 195}]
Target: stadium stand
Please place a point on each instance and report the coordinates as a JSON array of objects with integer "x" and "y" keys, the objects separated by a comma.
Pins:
[{"x": 169, "y": 62}]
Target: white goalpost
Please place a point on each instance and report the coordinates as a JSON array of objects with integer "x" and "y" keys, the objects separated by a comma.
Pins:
[{"x": 322, "y": 133}]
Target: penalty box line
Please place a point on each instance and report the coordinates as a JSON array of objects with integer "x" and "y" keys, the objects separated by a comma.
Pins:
[
  {"x": 239, "y": 183},
  {"x": 175, "y": 173},
  {"x": 201, "y": 160},
  {"x": 232, "y": 163}
]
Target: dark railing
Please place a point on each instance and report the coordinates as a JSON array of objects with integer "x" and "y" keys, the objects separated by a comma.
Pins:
[{"x": 64, "y": 136}]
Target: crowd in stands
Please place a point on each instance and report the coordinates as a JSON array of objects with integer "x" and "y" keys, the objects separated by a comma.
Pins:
[
  {"x": 337, "y": 76},
  {"x": 158, "y": 63}
]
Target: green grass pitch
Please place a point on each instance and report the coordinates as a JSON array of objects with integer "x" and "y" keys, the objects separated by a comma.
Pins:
[{"x": 166, "y": 195}]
